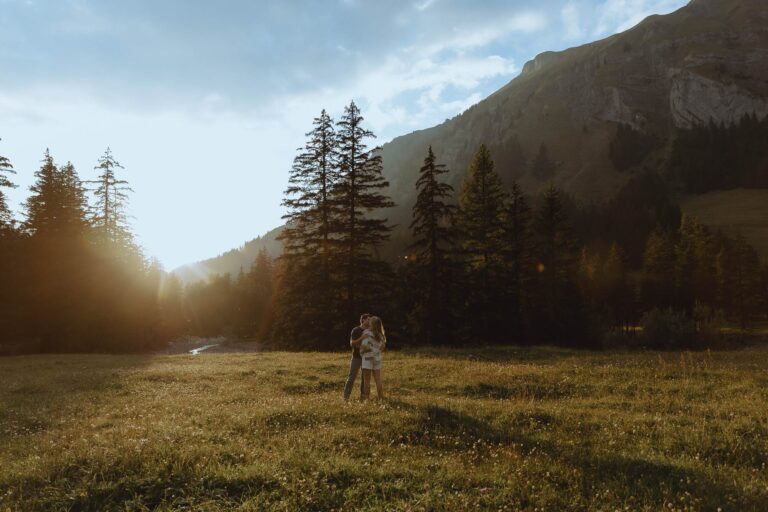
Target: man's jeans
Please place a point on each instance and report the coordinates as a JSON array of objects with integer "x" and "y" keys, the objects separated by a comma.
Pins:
[{"x": 354, "y": 367}]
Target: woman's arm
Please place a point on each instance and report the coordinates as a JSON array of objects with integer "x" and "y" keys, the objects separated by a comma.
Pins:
[{"x": 357, "y": 342}]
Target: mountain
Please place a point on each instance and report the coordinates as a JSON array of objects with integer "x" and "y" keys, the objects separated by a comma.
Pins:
[
  {"x": 231, "y": 262},
  {"x": 706, "y": 62}
]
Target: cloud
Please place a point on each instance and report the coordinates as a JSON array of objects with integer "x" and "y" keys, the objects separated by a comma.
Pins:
[
  {"x": 478, "y": 35},
  {"x": 571, "y": 19},
  {"x": 407, "y": 89},
  {"x": 620, "y": 15},
  {"x": 425, "y": 4}
]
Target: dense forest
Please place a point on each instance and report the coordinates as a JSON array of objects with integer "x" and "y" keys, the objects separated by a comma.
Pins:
[
  {"x": 488, "y": 263},
  {"x": 73, "y": 279}
]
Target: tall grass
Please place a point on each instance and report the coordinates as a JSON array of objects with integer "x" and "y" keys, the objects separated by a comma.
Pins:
[{"x": 509, "y": 429}]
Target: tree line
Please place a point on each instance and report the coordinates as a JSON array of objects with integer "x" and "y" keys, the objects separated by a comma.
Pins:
[
  {"x": 702, "y": 158},
  {"x": 73, "y": 277},
  {"x": 717, "y": 156},
  {"x": 487, "y": 264}
]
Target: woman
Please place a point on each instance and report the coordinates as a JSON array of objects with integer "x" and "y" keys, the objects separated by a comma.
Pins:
[{"x": 371, "y": 348}]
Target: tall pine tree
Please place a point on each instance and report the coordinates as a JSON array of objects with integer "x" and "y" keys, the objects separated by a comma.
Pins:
[
  {"x": 308, "y": 286},
  {"x": 433, "y": 233},
  {"x": 110, "y": 221},
  {"x": 358, "y": 195},
  {"x": 517, "y": 256},
  {"x": 696, "y": 256},
  {"x": 739, "y": 279},
  {"x": 60, "y": 293},
  {"x": 481, "y": 221},
  {"x": 659, "y": 275},
  {"x": 261, "y": 283},
  {"x": 57, "y": 207},
  {"x": 557, "y": 300}
]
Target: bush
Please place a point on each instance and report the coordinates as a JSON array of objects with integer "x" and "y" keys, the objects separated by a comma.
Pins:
[{"x": 669, "y": 329}]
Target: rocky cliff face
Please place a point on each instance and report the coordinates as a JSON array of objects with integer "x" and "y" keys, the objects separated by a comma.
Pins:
[
  {"x": 695, "y": 100},
  {"x": 707, "y": 61}
]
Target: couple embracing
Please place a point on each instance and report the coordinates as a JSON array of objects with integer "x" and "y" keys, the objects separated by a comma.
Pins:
[{"x": 367, "y": 341}]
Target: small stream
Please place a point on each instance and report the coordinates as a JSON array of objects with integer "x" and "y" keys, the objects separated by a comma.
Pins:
[{"x": 196, "y": 351}]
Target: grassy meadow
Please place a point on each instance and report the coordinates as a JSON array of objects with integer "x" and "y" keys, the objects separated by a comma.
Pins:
[{"x": 481, "y": 429}]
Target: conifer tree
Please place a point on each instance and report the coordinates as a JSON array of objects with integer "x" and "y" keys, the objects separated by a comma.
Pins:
[
  {"x": 517, "y": 255},
  {"x": 310, "y": 214},
  {"x": 110, "y": 221},
  {"x": 255, "y": 298},
  {"x": 308, "y": 284},
  {"x": 57, "y": 206},
  {"x": 738, "y": 273},
  {"x": 696, "y": 256},
  {"x": 6, "y": 219},
  {"x": 60, "y": 285},
  {"x": 659, "y": 275},
  {"x": 481, "y": 220},
  {"x": 261, "y": 287},
  {"x": 433, "y": 233},
  {"x": 557, "y": 301},
  {"x": 358, "y": 195},
  {"x": 73, "y": 200}
]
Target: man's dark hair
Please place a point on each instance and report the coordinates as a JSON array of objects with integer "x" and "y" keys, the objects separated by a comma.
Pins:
[{"x": 365, "y": 316}]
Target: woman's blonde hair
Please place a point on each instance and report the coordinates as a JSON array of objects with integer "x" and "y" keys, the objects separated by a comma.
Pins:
[{"x": 377, "y": 328}]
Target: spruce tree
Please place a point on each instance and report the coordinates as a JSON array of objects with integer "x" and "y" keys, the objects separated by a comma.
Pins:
[
  {"x": 110, "y": 221},
  {"x": 261, "y": 287},
  {"x": 6, "y": 219},
  {"x": 309, "y": 238},
  {"x": 357, "y": 195},
  {"x": 482, "y": 225},
  {"x": 57, "y": 206},
  {"x": 517, "y": 256},
  {"x": 310, "y": 214},
  {"x": 696, "y": 256},
  {"x": 61, "y": 284},
  {"x": 659, "y": 275},
  {"x": 433, "y": 234},
  {"x": 738, "y": 273},
  {"x": 558, "y": 307}
]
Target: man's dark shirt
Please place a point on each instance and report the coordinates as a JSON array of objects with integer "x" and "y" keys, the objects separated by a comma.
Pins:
[{"x": 356, "y": 333}]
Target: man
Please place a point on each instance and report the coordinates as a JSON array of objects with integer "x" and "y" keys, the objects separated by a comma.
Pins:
[{"x": 355, "y": 337}]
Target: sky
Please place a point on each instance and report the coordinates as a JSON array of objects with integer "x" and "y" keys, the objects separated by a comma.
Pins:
[{"x": 204, "y": 103}]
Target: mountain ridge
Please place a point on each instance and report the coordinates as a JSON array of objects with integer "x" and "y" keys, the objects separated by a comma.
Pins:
[{"x": 707, "y": 61}]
